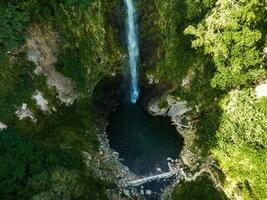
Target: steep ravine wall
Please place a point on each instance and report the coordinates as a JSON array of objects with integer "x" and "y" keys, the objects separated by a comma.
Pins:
[
  {"x": 216, "y": 115},
  {"x": 67, "y": 49}
]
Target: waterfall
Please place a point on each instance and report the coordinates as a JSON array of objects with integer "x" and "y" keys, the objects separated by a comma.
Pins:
[{"x": 133, "y": 49}]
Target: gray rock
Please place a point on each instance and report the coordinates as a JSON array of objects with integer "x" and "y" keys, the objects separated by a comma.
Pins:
[
  {"x": 2, "y": 126},
  {"x": 169, "y": 159},
  {"x": 126, "y": 192},
  {"x": 43, "y": 53},
  {"x": 41, "y": 102},
  {"x": 148, "y": 192},
  {"x": 178, "y": 109},
  {"x": 24, "y": 112},
  {"x": 155, "y": 110},
  {"x": 261, "y": 89},
  {"x": 159, "y": 169},
  {"x": 152, "y": 79}
]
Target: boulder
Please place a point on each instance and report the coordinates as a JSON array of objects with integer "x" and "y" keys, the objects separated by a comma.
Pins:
[
  {"x": 2, "y": 126},
  {"x": 265, "y": 51},
  {"x": 261, "y": 90},
  {"x": 126, "y": 193},
  {"x": 41, "y": 102},
  {"x": 155, "y": 110},
  {"x": 148, "y": 192},
  {"x": 178, "y": 109},
  {"x": 152, "y": 79},
  {"x": 24, "y": 112}
]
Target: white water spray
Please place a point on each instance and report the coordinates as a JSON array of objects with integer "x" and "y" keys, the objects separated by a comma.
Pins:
[{"x": 133, "y": 49}]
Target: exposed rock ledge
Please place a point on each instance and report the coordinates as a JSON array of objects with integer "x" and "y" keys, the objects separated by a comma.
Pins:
[
  {"x": 41, "y": 102},
  {"x": 261, "y": 89},
  {"x": 2, "y": 126},
  {"x": 173, "y": 108},
  {"x": 42, "y": 50},
  {"x": 24, "y": 112}
]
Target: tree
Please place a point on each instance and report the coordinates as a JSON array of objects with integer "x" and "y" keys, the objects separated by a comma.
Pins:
[{"x": 231, "y": 34}]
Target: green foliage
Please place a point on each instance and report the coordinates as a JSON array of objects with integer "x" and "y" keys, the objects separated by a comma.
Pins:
[
  {"x": 163, "y": 103},
  {"x": 71, "y": 127},
  {"x": 44, "y": 160},
  {"x": 20, "y": 159},
  {"x": 47, "y": 162},
  {"x": 231, "y": 35},
  {"x": 17, "y": 80},
  {"x": 243, "y": 120},
  {"x": 197, "y": 8},
  {"x": 14, "y": 18},
  {"x": 81, "y": 3},
  {"x": 12, "y": 23},
  {"x": 242, "y": 140},
  {"x": 88, "y": 49},
  {"x": 169, "y": 51},
  {"x": 200, "y": 189},
  {"x": 17, "y": 84}
]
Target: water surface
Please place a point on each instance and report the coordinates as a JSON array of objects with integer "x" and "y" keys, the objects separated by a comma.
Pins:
[{"x": 143, "y": 142}]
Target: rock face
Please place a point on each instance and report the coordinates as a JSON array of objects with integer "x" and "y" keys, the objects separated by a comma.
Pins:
[
  {"x": 178, "y": 109},
  {"x": 265, "y": 51},
  {"x": 42, "y": 51},
  {"x": 2, "y": 126},
  {"x": 173, "y": 108},
  {"x": 155, "y": 110},
  {"x": 148, "y": 192},
  {"x": 261, "y": 90},
  {"x": 152, "y": 79},
  {"x": 24, "y": 112},
  {"x": 41, "y": 102}
]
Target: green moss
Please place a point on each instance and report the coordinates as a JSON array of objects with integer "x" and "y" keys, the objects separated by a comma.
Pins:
[
  {"x": 168, "y": 49},
  {"x": 241, "y": 138},
  {"x": 263, "y": 104},
  {"x": 32, "y": 170},
  {"x": 229, "y": 55},
  {"x": 89, "y": 47},
  {"x": 163, "y": 103},
  {"x": 17, "y": 84},
  {"x": 235, "y": 44},
  {"x": 200, "y": 189}
]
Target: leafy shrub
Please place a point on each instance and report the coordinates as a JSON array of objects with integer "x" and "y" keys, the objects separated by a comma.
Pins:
[
  {"x": 200, "y": 189},
  {"x": 242, "y": 140},
  {"x": 231, "y": 35}
]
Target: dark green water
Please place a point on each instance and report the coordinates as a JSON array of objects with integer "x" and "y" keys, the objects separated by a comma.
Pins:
[{"x": 143, "y": 142}]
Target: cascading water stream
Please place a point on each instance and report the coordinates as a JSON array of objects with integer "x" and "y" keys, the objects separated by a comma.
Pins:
[{"x": 133, "y": 49}]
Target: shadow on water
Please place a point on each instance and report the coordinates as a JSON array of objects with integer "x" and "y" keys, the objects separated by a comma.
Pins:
[{"x": 143, "y": 142}]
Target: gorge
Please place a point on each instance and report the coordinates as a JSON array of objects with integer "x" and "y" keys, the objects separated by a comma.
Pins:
[
  {"x": 144, "y": 143},
  {"x": 133, "y": 99}
]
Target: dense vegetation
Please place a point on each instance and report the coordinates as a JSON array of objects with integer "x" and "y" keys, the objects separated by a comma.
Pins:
[
  {"x": 43, "y": 160},
  {"x": 201, "y": 188},
  {"x": 212, "y": 53}
]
